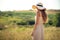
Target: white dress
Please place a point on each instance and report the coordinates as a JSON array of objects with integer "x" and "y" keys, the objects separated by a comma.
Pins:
[{"x": 39, "y": 32}]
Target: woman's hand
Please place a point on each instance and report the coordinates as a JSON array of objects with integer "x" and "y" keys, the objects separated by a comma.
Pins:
[
  {"x": 33, "y": 30},
  {"x": 32, "y": 33}
]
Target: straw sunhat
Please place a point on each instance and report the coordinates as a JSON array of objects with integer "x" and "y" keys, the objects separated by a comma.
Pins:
[{"x": 39, "y": 6}]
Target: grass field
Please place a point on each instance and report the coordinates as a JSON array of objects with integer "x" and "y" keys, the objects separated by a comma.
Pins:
[
  {"x": 24, "y": 33},
  {"x": 11, "y": 29}
]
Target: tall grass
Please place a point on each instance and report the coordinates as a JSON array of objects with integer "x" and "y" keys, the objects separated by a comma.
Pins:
[{"x": 24, "y": 33}]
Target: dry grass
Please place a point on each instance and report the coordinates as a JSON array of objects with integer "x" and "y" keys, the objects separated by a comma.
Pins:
[
  {"x": 52, "y": 33},
  {"x": 24, "y": 33}
]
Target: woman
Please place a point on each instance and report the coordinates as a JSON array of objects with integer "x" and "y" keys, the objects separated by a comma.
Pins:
[{"x": 40, "y": 20}]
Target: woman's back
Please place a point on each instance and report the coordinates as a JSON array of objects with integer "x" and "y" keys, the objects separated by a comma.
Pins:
[{"x": 40, "y": 21}]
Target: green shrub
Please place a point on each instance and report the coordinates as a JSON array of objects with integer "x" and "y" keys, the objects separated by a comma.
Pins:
[
  {"x": 22, "y": 23},
  {"x": 52, "y": 20},
  {"x": 31, "y": 22},
  {"x": 58, "y": 19}
]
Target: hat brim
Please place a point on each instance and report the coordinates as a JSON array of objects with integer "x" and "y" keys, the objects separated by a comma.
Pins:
[
  {"x": 34, "y": 7},
  {"x": 37, "y": 7}
]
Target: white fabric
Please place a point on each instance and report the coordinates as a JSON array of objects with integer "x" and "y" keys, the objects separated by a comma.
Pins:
[{"x": 39, "y": 7}]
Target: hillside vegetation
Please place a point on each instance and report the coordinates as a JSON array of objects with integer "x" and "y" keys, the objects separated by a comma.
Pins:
[
  {"x": 18, "y": 25},
  {"x": 27, "y": 18}
]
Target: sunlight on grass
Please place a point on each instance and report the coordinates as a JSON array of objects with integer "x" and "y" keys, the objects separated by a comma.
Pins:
[{"x": 24, "y": 33}]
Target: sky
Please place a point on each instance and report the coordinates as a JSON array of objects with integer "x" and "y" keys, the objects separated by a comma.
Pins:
[{"x": 10, "y": 5}]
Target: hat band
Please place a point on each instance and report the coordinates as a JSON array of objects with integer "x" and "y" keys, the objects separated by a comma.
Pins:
[{"x": 40, "y": 5}]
